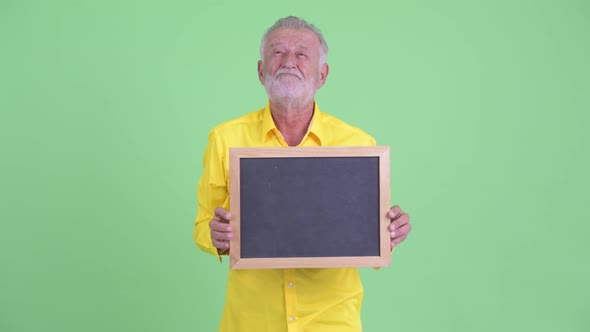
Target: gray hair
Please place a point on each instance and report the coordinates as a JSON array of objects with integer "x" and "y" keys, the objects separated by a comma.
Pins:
[{"x": 298, "y": 23}]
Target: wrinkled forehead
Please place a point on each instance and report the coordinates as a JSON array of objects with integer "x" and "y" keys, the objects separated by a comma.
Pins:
[{"x": 288, "y": 36}]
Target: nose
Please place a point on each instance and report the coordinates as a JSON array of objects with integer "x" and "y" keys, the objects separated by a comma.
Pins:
[{"x": 289, "y": 60}]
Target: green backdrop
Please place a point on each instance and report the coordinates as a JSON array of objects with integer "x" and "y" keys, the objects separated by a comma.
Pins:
[{"x": 105, "y": 109}]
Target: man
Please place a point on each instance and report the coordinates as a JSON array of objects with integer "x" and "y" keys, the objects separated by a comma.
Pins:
[{"x": 292, "y": 69}]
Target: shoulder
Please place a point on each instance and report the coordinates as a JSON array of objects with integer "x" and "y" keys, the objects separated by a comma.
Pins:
[
  {"x": 245, "y": 121},
  {"x": 342, "y": 133},
  {"x": 239, "y": 131}
]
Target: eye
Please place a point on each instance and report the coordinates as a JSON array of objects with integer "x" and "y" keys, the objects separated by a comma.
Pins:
[{"x": 300, "y": 54}]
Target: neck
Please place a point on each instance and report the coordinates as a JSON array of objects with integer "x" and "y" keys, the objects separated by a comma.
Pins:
[{"x": 292, "y": 120}]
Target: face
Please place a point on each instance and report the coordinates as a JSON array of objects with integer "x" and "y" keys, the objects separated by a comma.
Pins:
[{"x": 290, "y": 69}]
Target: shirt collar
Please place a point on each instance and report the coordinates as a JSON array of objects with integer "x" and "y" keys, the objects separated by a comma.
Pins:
[
  {"x": 315, "y": 127},
  {"x": 268, "y": 124}
]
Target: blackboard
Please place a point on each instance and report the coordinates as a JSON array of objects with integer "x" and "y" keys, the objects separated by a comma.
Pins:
[{"x": 309, "y": 207}]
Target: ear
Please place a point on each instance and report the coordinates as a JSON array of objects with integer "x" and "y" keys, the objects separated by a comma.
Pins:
[
  {"x": 324, "y": 70},
  {"x": 260, "y": 72}
]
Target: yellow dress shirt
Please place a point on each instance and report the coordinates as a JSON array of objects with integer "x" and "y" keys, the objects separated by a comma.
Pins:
[{"x": 276, "y": 300}]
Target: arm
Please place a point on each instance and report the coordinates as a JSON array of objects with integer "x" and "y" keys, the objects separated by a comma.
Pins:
[{"x": 212, "y": 192}]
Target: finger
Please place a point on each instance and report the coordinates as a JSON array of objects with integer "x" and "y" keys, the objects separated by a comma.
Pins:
[
  {"x": 402, "y": 231},
  {"x": 401, "y": 220},
  {"x": 220, "y": 239},
  {"x": 222, "y": 213},
  {"x": 220, "y": 244},
  {"x": 398, "y": 240},
  {"x": 221, "y": 236},
  {"x": 219, "y": 226},
  {"x": 394, "y": 212}
]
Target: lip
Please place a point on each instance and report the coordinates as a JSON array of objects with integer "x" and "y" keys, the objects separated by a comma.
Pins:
[{"x": 288, "y": 74}]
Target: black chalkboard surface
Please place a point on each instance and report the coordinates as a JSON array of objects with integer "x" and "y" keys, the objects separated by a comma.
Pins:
[{"x": 309, "y": 207}]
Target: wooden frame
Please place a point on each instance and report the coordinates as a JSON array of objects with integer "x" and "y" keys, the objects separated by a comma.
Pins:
[{"x": 384, "y": 246}]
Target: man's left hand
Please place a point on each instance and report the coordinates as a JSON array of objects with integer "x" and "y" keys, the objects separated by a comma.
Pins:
[{"x": 400, "y": 225}]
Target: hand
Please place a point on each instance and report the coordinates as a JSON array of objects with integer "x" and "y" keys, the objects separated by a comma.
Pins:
[
  {"x": 400, "y": 225},
  {"x": 221, "y": 230}
]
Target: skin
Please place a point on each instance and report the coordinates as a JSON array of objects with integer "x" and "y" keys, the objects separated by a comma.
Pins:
[{"x": 291, "y": 73}]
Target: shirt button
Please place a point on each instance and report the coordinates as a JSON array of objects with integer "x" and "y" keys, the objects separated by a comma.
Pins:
[
  {"x": 291, "y": 318},
  {"x": 290, "y": 285}
]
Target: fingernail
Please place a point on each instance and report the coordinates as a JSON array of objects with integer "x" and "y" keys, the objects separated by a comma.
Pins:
[{"x": 392, "y": 234}]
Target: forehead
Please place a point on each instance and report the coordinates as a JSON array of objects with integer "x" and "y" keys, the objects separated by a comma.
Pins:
[{"x": 298, "y": 37}]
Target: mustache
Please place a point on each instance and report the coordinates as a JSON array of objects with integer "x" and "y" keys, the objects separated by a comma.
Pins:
[{"x": 288, "y": 71}]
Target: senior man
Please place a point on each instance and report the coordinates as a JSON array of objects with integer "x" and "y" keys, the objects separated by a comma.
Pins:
[{"x": 292, "y": 69}]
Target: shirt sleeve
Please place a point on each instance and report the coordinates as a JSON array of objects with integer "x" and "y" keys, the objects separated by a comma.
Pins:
[{"x": 212, "y": 192}]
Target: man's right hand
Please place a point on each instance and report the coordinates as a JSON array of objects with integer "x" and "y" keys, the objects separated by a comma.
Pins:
[{"x": 221, "y": 230}]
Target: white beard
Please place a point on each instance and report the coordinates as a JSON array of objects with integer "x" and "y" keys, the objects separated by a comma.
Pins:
[{"x": 288, "y": 90}]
